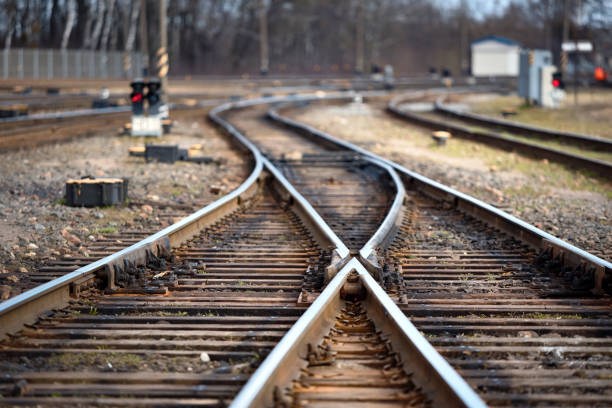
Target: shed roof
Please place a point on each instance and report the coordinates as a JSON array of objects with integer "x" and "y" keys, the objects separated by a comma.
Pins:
[{"x": 496, "y": 38}]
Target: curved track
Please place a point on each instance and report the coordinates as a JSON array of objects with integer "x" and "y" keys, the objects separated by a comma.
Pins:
[
  {"x": 263, "y": 251},
  {"x": 258, "y": 253},
  {"x": 351, "y": 194}
]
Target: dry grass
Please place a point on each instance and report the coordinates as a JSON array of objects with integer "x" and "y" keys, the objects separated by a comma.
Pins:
[{"x": 592, "y": 116}]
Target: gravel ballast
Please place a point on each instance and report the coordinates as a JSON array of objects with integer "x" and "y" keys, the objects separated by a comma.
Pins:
[{"x": 35, "y": 226}]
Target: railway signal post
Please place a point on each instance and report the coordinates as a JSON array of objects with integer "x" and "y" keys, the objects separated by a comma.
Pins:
[{"x": 142, "y": 125}]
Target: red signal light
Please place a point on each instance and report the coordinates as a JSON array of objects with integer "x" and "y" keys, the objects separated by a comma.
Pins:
[
  {"x": 556, "y": 83},
  {"x": 138, "y": 97},
  {"x": 600, "y": 74}
]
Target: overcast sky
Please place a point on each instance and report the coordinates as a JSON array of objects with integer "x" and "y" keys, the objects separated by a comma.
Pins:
[{"x": 479, "y": 7}]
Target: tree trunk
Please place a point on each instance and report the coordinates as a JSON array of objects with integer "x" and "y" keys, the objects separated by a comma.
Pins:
[
  {"x": 263, "y": 38},
  {"x": 107, "y": 25},
  {"x": 69, "y": 23},
  {"x": 95, "y": 36},
  {"x": 133, "y": 24}
]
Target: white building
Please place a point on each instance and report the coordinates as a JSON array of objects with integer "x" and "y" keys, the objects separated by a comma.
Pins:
[{"x": 495, "y": 56}]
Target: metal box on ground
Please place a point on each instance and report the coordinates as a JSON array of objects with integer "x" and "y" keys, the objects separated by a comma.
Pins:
[
  {"x": 546, "y": 95},
  {"x": 164, "y": 153},
  {"x": 529, "y": 73},
  {"x": 90, "y": 192}
]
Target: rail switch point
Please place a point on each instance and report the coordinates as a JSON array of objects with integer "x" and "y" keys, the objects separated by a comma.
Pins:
[{"x": 91, "y": 192}]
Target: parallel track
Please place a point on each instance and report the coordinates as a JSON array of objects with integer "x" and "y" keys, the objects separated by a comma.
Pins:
[
  {"x": 590, "y": 142},
  {"x": 601, "y": 167}
]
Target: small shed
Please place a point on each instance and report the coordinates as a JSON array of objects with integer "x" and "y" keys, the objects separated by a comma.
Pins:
[{"x": 495, "y": 56}]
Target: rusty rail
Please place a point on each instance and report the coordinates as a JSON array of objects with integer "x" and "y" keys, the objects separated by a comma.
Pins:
[{"x": 429, "y": 369}]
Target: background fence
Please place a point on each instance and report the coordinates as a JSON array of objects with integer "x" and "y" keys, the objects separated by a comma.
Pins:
[{"x": 54, "y": 63}]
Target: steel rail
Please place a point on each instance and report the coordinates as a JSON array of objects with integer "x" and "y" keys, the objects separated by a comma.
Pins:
[
  {"x": 525, "y": 129},
  {"x": 604, "y": 169},
  {"x": 66, "y": 115},
  {"x": 570, "y": 255},
  {"x": 284, "y": 362},
  {"x": 26, "y": 307},
  {"x": 390, "y": 224}
]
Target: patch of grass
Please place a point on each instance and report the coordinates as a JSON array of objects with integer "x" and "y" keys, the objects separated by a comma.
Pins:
[
  {"x": 591, "y": 116},
  {"x": 164, "y": 313},
  {"x": 60, "y": 201},
  {"x": 105, "y": 230},
  {"x": 93, "y": 310},
  {"x": 556, "y": 316},
  {"x": 525, "y": 190}
]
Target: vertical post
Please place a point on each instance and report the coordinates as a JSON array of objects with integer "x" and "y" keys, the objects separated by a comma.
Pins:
[
  {"x": 77, "y": 63},
  {"x": 565, "y": 30},
  {"x": 359, "y": 38},
  {"x": 5, "y": 58},
  {"x": 64, "y": 63},
  {"x": 162, "y": 52},
  {"x": 49, "y": 64},
  {"x": 264, "y": 59},
  {"x": 20, "y": 62},
  {"x": 463, "y": 39},
  {"x": 35, "y": 67},
  {"x": 576, "y": 57},
  {"x": 144, "y": 38},
  {"x": 104, "y": 64},
  {"x": 92, "y": 64}
]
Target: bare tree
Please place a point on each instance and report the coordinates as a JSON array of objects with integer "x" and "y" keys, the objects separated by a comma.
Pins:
[
  {"x": 69, "y": 23},
  {"x": 107, "y": 25},
  {"x": 95, "y": 35}
]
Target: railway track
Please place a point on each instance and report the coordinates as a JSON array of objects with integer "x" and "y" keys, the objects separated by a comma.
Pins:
[
  {"x": 511, "y": 314},
  {"x": 588, "y": 142},
  {"x": 336, "y": 183},
  {"x": 576, "y": 160},
  {"x": 256, "y": 255},
  {"x": 26, "y": 132},
  {"x": 341, "y": 331}
]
